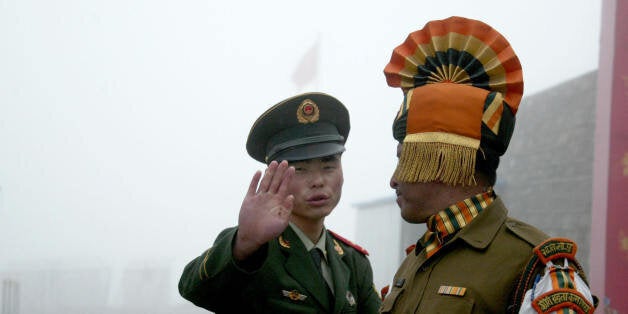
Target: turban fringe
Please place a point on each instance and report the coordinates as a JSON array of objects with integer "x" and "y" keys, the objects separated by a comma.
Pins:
[{"x": 425, "y": 160}]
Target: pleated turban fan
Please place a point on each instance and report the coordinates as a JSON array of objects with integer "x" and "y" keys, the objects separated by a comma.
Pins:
[{"x": 462, "y": 85}]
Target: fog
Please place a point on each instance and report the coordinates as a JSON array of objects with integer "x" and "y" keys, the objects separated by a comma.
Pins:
[{"x": 123, "y": 124}]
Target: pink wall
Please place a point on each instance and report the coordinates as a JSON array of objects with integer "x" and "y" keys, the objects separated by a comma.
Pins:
[{"x": 609, "y": 227}]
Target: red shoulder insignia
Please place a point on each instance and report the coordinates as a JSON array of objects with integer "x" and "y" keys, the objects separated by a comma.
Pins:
[
  {"x": 349, "y": 243},
  {"x": 384, "y": 292},
  {"x": 410, "y": 249}
]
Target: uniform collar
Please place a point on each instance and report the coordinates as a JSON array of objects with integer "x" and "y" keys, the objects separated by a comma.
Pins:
[
  {"x": 307, "y": 242},
  {"x": 443, "y": 225},
  {"x": 483, "y": 229}
]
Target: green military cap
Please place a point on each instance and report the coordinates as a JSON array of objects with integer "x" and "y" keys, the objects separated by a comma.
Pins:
[{"x": 305, "y": 126}]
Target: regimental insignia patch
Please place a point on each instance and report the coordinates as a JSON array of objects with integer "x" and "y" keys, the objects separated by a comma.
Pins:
[
  {"x": 552, "y": 281},
  {"x": 451, "y": 290},
  {"x": 283, "y": 242},
  {"x": 555, "y": 300},
  {"x": 294, "y": 295},
  {"x": 308, "y": 112},
  {"x": 554, "y": 248}
]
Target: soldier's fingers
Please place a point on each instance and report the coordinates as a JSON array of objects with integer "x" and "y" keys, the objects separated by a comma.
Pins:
[
  {"x": 268, "y": 176},
  {"x": 253, "y": 185},
  {"x": 278, "y": 177},
  {"x": 285, "y": 181}
]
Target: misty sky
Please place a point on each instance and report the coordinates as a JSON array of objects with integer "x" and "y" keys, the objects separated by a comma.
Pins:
[{"x": 123, "y": 123}]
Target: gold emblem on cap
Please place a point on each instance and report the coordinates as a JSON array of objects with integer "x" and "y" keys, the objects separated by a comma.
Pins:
[{"x": 307, "y": 112}]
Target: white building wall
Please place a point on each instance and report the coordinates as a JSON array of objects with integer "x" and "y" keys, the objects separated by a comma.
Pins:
[{"x": 381, "y": 230}]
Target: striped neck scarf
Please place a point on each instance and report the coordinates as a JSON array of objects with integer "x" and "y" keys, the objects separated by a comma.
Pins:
[{"x": 448, "y": 221}]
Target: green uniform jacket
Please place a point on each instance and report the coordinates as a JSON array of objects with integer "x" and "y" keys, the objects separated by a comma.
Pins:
[
  {"x": 485, "y": 258},
  {"x": 286, "y": 281}
]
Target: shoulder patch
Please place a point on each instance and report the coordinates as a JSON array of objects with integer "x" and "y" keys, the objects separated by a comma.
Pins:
[
  {"x": 554, "y": 248},
  {"x": 348, "y": 243},
  {"x": 556, "y": 300},
  {"x": 526, "y": 232},
  {"x": 549, "y": 250},
  {"x": 410, "y": 249}
]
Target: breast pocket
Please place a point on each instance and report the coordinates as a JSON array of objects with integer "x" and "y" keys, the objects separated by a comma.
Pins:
[
  {"x": 289, "y": 306},
  {"x": 391, "y": 299},
  {"x": 446, "y": 305}
]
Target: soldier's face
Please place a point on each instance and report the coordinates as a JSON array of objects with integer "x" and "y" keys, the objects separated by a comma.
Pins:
[
  {"x": 417, "y": 201},
  {"x": 316, "y": 186}
]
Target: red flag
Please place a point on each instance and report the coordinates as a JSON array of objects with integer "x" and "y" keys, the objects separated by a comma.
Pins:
[{"x": 307, "y": 69}]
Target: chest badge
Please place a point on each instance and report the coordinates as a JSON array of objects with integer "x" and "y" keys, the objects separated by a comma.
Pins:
[
  {"x": 350, "y": 298},
  {"x": 283, "y": 242},
  {"x": 293, "y": 295},
  {"x": 451, "y": 290},
  {"x": 338, "y": 248}
]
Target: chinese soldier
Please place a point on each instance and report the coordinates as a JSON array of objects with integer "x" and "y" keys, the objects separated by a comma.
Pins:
[{"x": 280, "y": 258}]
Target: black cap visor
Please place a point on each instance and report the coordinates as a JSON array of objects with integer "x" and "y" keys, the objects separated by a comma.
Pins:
[{"x": 308, "y": 151}]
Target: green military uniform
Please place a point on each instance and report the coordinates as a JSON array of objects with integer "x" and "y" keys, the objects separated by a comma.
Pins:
[
  {"x": 281, "y": 276},
  {"x": 484, "y": 258},
  {"x": 285, "y": 282}
]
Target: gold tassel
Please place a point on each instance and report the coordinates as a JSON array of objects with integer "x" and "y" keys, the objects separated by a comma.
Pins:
[{"x": 433, "y": 161}]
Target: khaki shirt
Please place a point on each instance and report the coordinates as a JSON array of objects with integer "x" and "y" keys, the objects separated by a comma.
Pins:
[{"x": 475, "y": 272}]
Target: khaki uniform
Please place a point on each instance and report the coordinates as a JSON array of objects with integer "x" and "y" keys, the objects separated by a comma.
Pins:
[
  {"x": 286, "y": 282},
  {"x": 474, "y": 272}
]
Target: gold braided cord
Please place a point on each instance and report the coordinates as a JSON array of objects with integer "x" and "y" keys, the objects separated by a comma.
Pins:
[
  {"x": 437, "y": 161},
  {"x": 442, "y": 137}
]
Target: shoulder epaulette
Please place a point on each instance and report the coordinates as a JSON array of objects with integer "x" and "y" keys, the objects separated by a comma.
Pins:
[
  {"x": 526, "y": 232},
  {"x": 349, "y": 243},
  {"x": 410, "y": 249}
]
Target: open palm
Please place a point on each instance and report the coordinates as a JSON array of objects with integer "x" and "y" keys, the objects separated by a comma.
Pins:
[{"x": 265, "y": 210}]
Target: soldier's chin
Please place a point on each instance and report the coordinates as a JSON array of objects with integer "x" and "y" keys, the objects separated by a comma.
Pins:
[{"x": 411, "y": 217}]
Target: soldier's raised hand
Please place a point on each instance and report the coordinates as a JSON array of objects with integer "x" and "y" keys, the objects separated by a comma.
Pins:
[{"x": 266, "y": 209}]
